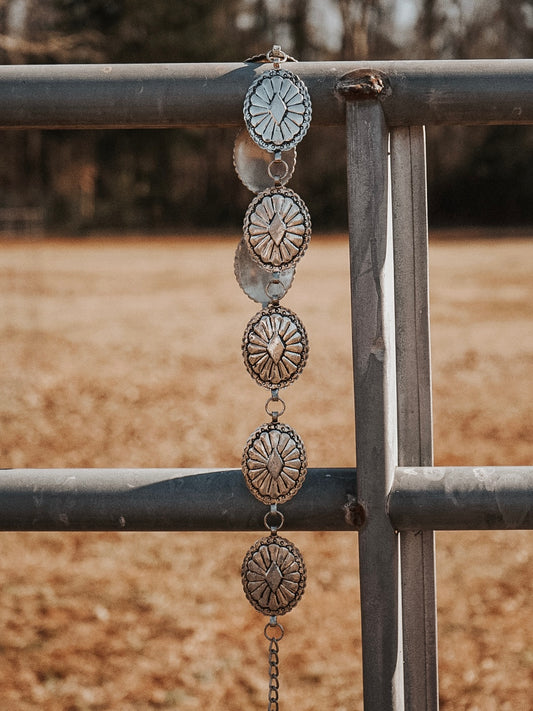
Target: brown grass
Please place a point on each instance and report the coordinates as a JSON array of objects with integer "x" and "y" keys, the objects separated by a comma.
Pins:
[{"x": 127, "y": 353}]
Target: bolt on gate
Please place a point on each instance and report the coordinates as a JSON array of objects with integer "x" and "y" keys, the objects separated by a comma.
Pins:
[{"x": 395, "y": 498}]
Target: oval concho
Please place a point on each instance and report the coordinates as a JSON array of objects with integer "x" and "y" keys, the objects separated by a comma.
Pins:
[
  {"x": 252, "y": 164},
  {"x": 273, "y": 575},
  {"x": 258, "y": 284},
  {"x": 274, "y": 463},
  {"x": 275, "y": 347},
  {"x": 277, "y": 228},
  {"x": 277, "y": 110}
]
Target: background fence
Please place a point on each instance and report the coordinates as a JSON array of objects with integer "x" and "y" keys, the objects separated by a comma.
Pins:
[{"x": 395, "y": 488}]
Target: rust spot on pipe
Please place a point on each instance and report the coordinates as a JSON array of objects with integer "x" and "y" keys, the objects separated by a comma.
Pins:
[
  {"x": 362, "y": 84},
  {"x": 354, "y": 512}
]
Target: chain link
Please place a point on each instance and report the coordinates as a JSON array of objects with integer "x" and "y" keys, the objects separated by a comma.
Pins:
[
  {"x": 276, "y": 55},
  {"x": 273, "y": 400},
  {"x": 273, "y": 632},
  {"x": 269, "y": 519},
  {"x": 278, "y": 170}
]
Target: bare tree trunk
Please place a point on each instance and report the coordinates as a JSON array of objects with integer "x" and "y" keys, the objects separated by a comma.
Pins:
[
  {"x": 355, "y": 20},
  {"x": 299, "y": 28},
  {"x": 430, "y": 23},
  {"x": 16, "y": 23}
]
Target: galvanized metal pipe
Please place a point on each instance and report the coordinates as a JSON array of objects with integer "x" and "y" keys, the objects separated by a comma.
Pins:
[
  {"x": 421, "y": 498},
  {"x": 372, "y": 300},
  {"x": 462, "y": 498},
  {"x": 167, "y": 95},
  {"x": 415, "y": 431},
  {"x": 166, "y": 500}
]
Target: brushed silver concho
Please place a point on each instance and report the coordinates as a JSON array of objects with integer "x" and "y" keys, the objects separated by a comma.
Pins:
[
  {"x": 257, "y": 283},
  {"x": 277, "y": 229},
  {"x": 273, "y": 575},
  {"x": 275, "y": 347},
  {"x": 274, "y": 463},
  {"x": 255, "y": 166},
  {"x": 277, "y": 110}
]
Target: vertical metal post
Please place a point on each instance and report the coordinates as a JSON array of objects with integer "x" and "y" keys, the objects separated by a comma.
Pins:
[
  {"x": 372, "y": 296},
  {"x": 415, "y": 437}
]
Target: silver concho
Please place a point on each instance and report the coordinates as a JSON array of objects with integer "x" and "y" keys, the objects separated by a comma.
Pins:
[
  {"x": 277, "y": 110},
  {"x": 274, "y": 463},
  {"x": 273, "y": 575},
  {"x": 258, "y": 284},
  {"x": 277, "y": 228},
  {"x": 275, "y": 347},
  {"x": 255, "y": 167}
]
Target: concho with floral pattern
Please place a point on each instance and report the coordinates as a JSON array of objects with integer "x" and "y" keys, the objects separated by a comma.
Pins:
[
  {"x": 277, "y": 110},
  {"x": 277, "y": 229},
  {"x": 275, "y": 347},
  {"x": 273, "y": 575},
  {"x": 274, "y": 463}
]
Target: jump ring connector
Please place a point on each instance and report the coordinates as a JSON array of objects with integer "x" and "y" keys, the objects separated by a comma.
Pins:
[
  {"x": 278, "y": 177},
  {"x": 274, "y": 414},
  {"x": 277, "y": 630},
  {"x": 273, "y": 512},
  {"x": 276, "y": 55},
  {"x": 273, "y": 293}
]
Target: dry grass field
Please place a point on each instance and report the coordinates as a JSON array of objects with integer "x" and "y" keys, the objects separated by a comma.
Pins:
[{"x": 126, "y": 352}]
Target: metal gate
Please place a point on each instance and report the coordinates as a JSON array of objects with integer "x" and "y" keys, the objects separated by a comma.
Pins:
[{"x": 395, "y": 498}]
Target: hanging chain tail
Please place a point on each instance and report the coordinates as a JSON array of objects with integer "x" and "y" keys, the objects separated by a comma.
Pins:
[{"x": 273, "y": 632}]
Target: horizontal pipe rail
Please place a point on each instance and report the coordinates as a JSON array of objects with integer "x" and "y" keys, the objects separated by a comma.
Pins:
[
  {"x": 421, "y": 498},
  {"x": 172, "y": 95},
  {"x": 462, "y": 498},
  {"x": 165, "y": 500}
]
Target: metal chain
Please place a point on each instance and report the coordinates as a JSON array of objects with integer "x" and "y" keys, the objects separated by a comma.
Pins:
[
  {"x": 273, "y": 685},
  {"x": 273, "y": 632},
  {"x": 275, "y": 289}
]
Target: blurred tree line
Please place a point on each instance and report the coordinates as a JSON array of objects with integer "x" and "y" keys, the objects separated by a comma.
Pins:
[{"x": 178, "y": 179}]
